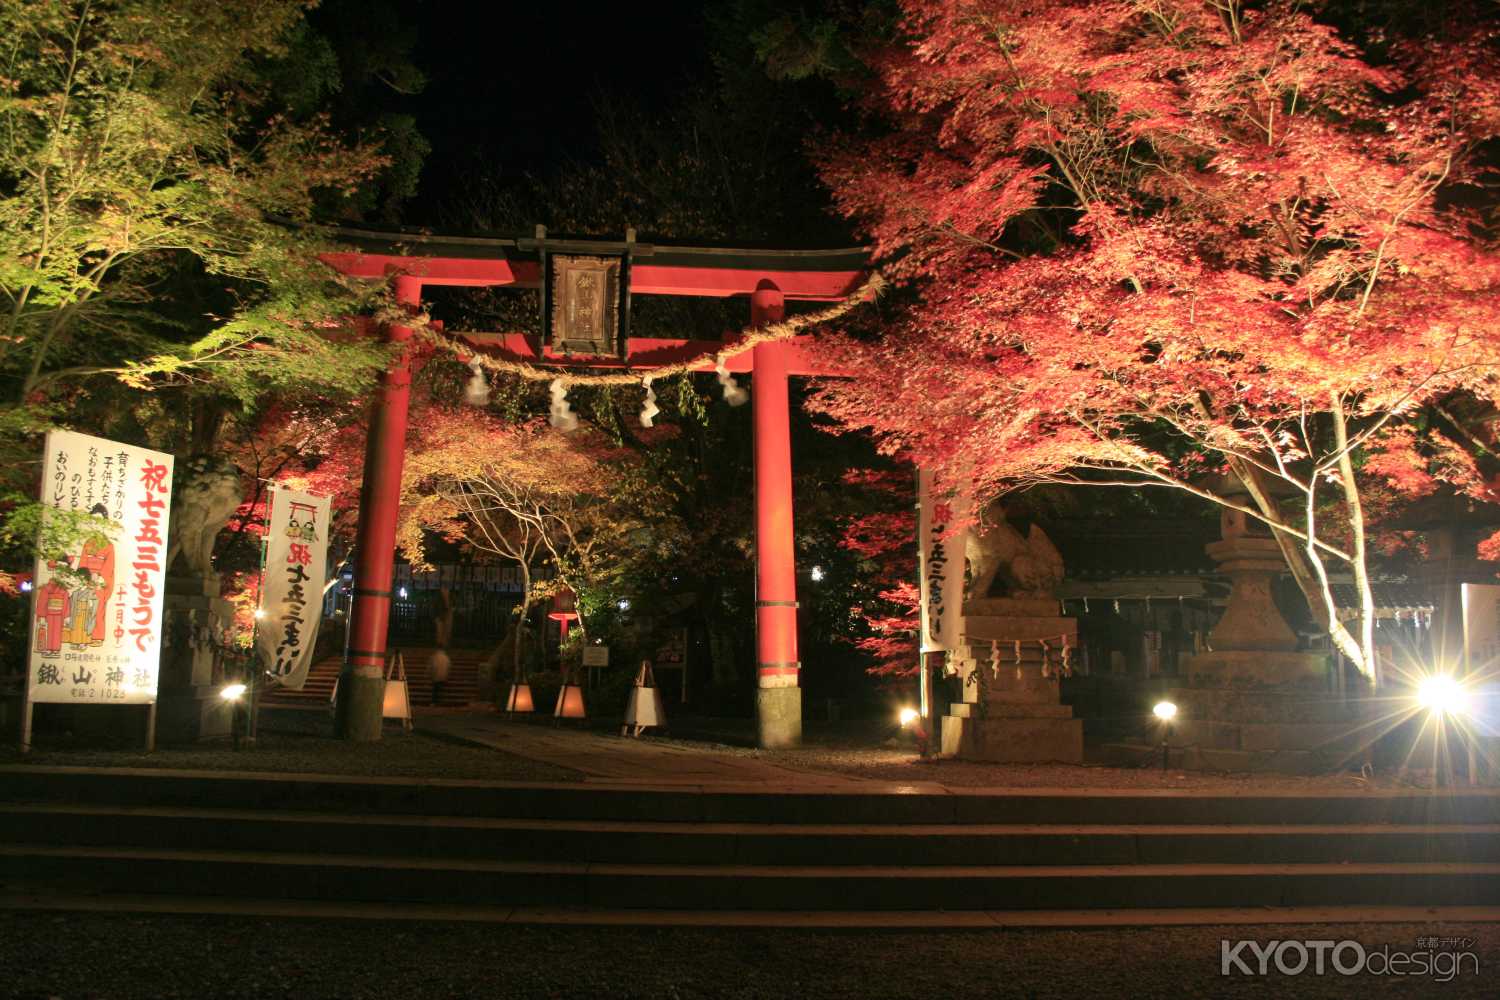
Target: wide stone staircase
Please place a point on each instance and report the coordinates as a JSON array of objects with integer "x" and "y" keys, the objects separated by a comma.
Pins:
[
  {"x": 405, "y": 848},
  {"x": 460, "y": 690}
]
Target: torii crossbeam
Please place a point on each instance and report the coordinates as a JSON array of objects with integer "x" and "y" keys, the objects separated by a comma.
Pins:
[{"x": 768, "y": 278}]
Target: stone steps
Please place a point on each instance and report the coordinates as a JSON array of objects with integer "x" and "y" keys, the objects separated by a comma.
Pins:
[
  {"x": 408, "y": 878},
  {"x": 319, "y": 840},
  {"x": 755, "y": 844},
  {"x": 461, "y": 688},
  {"x": 903, "y": 920},
  {"x": 879, "y": 805}
]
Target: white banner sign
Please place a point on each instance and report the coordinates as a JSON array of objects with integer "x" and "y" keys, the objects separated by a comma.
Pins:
[
  {"x": 96, "y": 633},
  {"x": 1481, "y": 607},
  {"x": 292, "y": 590},
  {"x": 941, "y": 561}
]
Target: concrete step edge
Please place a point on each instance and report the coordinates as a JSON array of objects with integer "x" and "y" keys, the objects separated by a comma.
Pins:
[
  {"x": 606, "y": 800},
  {"x": 881, "y": 790},
  {"x": 739, "y": 871},
  {"x": 712, "y": 828},
  {"x": 831, "y": 920}
]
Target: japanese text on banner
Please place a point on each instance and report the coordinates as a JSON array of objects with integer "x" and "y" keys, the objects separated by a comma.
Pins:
[
  {"x": 97, "y": 628},
  {"x": 292, "y": 591}
]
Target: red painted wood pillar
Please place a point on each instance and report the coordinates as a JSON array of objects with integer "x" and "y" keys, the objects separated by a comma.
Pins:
[
  {"x": 362, "y": 683},
  {"x": 778, "y": 698}
]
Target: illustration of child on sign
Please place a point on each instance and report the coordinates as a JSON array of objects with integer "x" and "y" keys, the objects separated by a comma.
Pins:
[
  {"x": 306, "y": 531},
  {"x": 51, "y": 610},
  {"x": 83, "y": 601},
  {"x": 97, "y": 559},
  {"x": 86, "y": 579}
]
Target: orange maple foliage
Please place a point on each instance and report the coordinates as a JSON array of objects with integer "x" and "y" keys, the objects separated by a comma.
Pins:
[
  {"x": 1151, "y": 241},
  {"x": 522, "y": 492}
]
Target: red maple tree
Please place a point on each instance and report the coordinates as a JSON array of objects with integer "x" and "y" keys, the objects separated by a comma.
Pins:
[
  {"x": 1210, "y": 247},
  {"x": 881, "y": 539}
]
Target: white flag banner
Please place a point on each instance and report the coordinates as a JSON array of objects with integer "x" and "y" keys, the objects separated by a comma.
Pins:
[
  {"x": 941, "y": 560},
  {"x": 96, "y": 633},
  {"x": 292, "y": 589},
  {"x": 1481, "y": 610}
]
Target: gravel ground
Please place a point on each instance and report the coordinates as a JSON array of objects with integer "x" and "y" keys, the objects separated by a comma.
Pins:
[
  {"x": 882, "y": 761},
  {"x": 882, "y": 752},
  {"x": 302, "y": 743},
  {"x": 905, "y": 765},
  {"x": 73, "y": 957}
]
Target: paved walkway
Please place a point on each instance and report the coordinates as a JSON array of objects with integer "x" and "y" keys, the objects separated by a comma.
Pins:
[{"x": 621, "y": 759}]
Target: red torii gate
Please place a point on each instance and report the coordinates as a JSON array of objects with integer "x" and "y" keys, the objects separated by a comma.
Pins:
[{"x": 768, "y": 278}]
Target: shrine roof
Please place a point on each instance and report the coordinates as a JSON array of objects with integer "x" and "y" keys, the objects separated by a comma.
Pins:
[
  {"x": 656, "y": 269},
  {"x": 1390, "y": 597},
  {"x": 1118, "y": 548}
]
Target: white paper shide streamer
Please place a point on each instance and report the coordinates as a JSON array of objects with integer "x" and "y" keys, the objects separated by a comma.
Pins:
[
  {"x": 477, "y": 390},
  {"x": 733, "y": 394},
  {"x": 562, "y": 416},
  {"x": 649, "y": 409}
]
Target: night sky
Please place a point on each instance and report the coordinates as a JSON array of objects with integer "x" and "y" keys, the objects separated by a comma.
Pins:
[{"x": 512, "y": 84}]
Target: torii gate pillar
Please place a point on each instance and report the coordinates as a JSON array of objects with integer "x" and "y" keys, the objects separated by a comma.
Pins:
[
  {"x": 778, "y": 699},
  {"x": 362, "y": 681}
]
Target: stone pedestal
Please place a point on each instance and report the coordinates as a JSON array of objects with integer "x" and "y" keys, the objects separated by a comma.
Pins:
[
  {"x": 1004, "y": 717},
  {"x": 188, "y": 704},
  {"x": 359, "y": 711},
  {"x": 778, "y": 717},
  {"x": 1252, "y": 702},
  {"x": 1290, "y": 728}
]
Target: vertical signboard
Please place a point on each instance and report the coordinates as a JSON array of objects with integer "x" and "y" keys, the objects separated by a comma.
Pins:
[
  {"x": 941, "y": 560},
  {"x": 97, "y": 623},
  {"x": 292, "y": 590},
  {"x": 1481, "y": 611}
]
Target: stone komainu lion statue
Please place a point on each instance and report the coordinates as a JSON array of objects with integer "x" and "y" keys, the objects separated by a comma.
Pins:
[
  {"x": 208, "y": 491},
  {"x": 1027, "y": 566}
]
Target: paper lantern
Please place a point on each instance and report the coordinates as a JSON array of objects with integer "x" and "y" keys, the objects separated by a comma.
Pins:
[
  {"x": 519, "y": 699},
  {"x": 643, "y": 708},
  {"x": 569, "y": 703}
]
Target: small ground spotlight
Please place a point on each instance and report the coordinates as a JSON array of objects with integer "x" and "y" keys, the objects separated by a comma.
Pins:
[
  {"x": 232, "y": 693},
  {"x": 911, "y": 719},
  {"x": 1165, "y": 711},
  {"x": 1441, "y": 695}
]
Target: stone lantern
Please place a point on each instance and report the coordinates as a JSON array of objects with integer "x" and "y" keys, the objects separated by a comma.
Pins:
[
  {"x": 1252, "y": 701},
  {"x": 1252, "y": 641}
]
